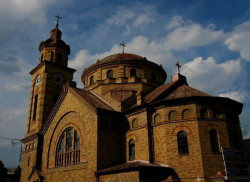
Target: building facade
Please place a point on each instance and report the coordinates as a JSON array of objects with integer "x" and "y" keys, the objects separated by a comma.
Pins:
[{"x": 126, "y": 124}]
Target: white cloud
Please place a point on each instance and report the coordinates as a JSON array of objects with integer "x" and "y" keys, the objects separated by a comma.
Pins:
[
  {"x": 239, "y": 40},
  {"x": 211, "y": 77},
  {"x": 192, "y": 35},
  {"x": 176, "y": 21},
  {"x": 235, "y": 95},
  {"x": 34, "y": 10}
]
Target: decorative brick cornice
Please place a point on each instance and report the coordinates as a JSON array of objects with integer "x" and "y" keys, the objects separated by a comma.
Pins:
[{"x": 30, "y": 138}]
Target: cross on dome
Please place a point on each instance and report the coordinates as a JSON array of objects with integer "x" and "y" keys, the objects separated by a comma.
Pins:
[{"x": 123, "y": 45}]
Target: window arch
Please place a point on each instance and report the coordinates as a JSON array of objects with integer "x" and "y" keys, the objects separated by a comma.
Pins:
[
  {"x": 131, "y": 149},
  {"x": 132, "y": 72},
  {"x": 172, "y": 115},
  {"x": 203, "y": 113},
  {"x": 68, "y": 148},
  {"x": 134, "y": 123},
  {"x": 110, "y": 74},
  {"x": 186, "y": 114},
  {"x": 214, "y": 141},
  {"x": 35, "y": 107},
  {"x": 157, "y": 118},
  {"x": 91, "y": 80},
  {"x": 182, "y": 142}
]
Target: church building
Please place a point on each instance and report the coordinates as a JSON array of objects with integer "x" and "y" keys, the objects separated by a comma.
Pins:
[{"x": 125, "y": 125}]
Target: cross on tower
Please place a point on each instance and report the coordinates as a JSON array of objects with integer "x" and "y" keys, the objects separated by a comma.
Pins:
[
  {"x": 57, "y": 19},
  {"x": 178, "y": 66},
  {"x": 123, "y": 45}
]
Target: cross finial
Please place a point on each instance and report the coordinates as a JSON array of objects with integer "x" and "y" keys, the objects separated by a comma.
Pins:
[
  {"x": 123, "y": 45},
  {"x": 178, "y": 66},
  {"x": 57, "y": 19}
]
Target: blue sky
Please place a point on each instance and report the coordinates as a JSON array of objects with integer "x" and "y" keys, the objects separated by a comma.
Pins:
[{"x": 210, "y": 38}]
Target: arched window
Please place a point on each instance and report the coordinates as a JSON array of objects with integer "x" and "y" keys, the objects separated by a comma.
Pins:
[
  {"x": 182, "y": 142},
  {"x": 41, "y": 59},
  {"x": 56, "y": 96},
  {"x": 131, "y": 149},
  {"x": 203, "y": 113},
  {"x": 186, "y": 114},
  {"x": 91, "y": 80},
  {"x": 153, "y": 76},
  {"x": 35, "y": 107},
  {"x": 214, "y": 141},
  {"x": 132, "y": 72},
  {"x": 134, "y": 123},
  {"x": 157, "y": 118},
  {"x": 217, "y": 113},
  {"x": 172, "y": 115},
  {"x": 110, "y": 74},
  {"x": 68, "y": 148}
]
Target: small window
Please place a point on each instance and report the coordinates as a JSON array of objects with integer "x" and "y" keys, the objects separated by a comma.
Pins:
[
  {"x": 35, "y": 107},
  {"x": 27, "y": 147},
  {"x": 34, "y": 145},
  {"x": 131, "y": 149},
  {"x": 157, "y": 118},
  {"x": 134, "y": 123},
  {"x": 132, "y": 72},
  {"x": 203, "y": 113},
  {"x": 28, "y": 161},
  {"x": 172, "y": 115},
  {"x": 182, "y": 142},
  {"x": 214, "y": 141},
  {"x": 153, "y": 77},
  {"x": 110, "y": 74},
  {"x": 41, "y": 59},
  {"x": 91, "y": 81},
  {"x": 186, "y": 114}
]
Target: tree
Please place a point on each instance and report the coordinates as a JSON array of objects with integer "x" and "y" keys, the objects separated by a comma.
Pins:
[{"x": 3, "y": 171}]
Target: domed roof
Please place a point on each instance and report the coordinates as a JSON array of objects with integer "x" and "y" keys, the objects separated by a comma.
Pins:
[
  {"x": 121, "y": 56},
  {"x": 124, "y": 59}
]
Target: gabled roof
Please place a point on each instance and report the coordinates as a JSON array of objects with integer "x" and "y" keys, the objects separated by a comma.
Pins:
[
  {"x": 174, "y": 90},
  {"x": 90, "y": 97},
  {"x": 93, "y": 99}
]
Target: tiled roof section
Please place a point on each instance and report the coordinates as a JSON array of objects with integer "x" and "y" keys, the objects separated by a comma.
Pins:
[
  {"x": 173, "y": 90},
  {"x": 158, "y": 91},
  {"x": 186, "y": 91},
  {"x": 122, "y": 56},
  {"x": 92, "y": 99},
  {"x": 132, "y": 165}
]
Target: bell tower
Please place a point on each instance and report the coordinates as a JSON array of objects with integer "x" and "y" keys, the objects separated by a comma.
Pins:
[{"x": 47, "y": 80}]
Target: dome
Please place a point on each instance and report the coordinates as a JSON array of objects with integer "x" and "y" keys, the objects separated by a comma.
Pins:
[{"x": 121, "y": 64}]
